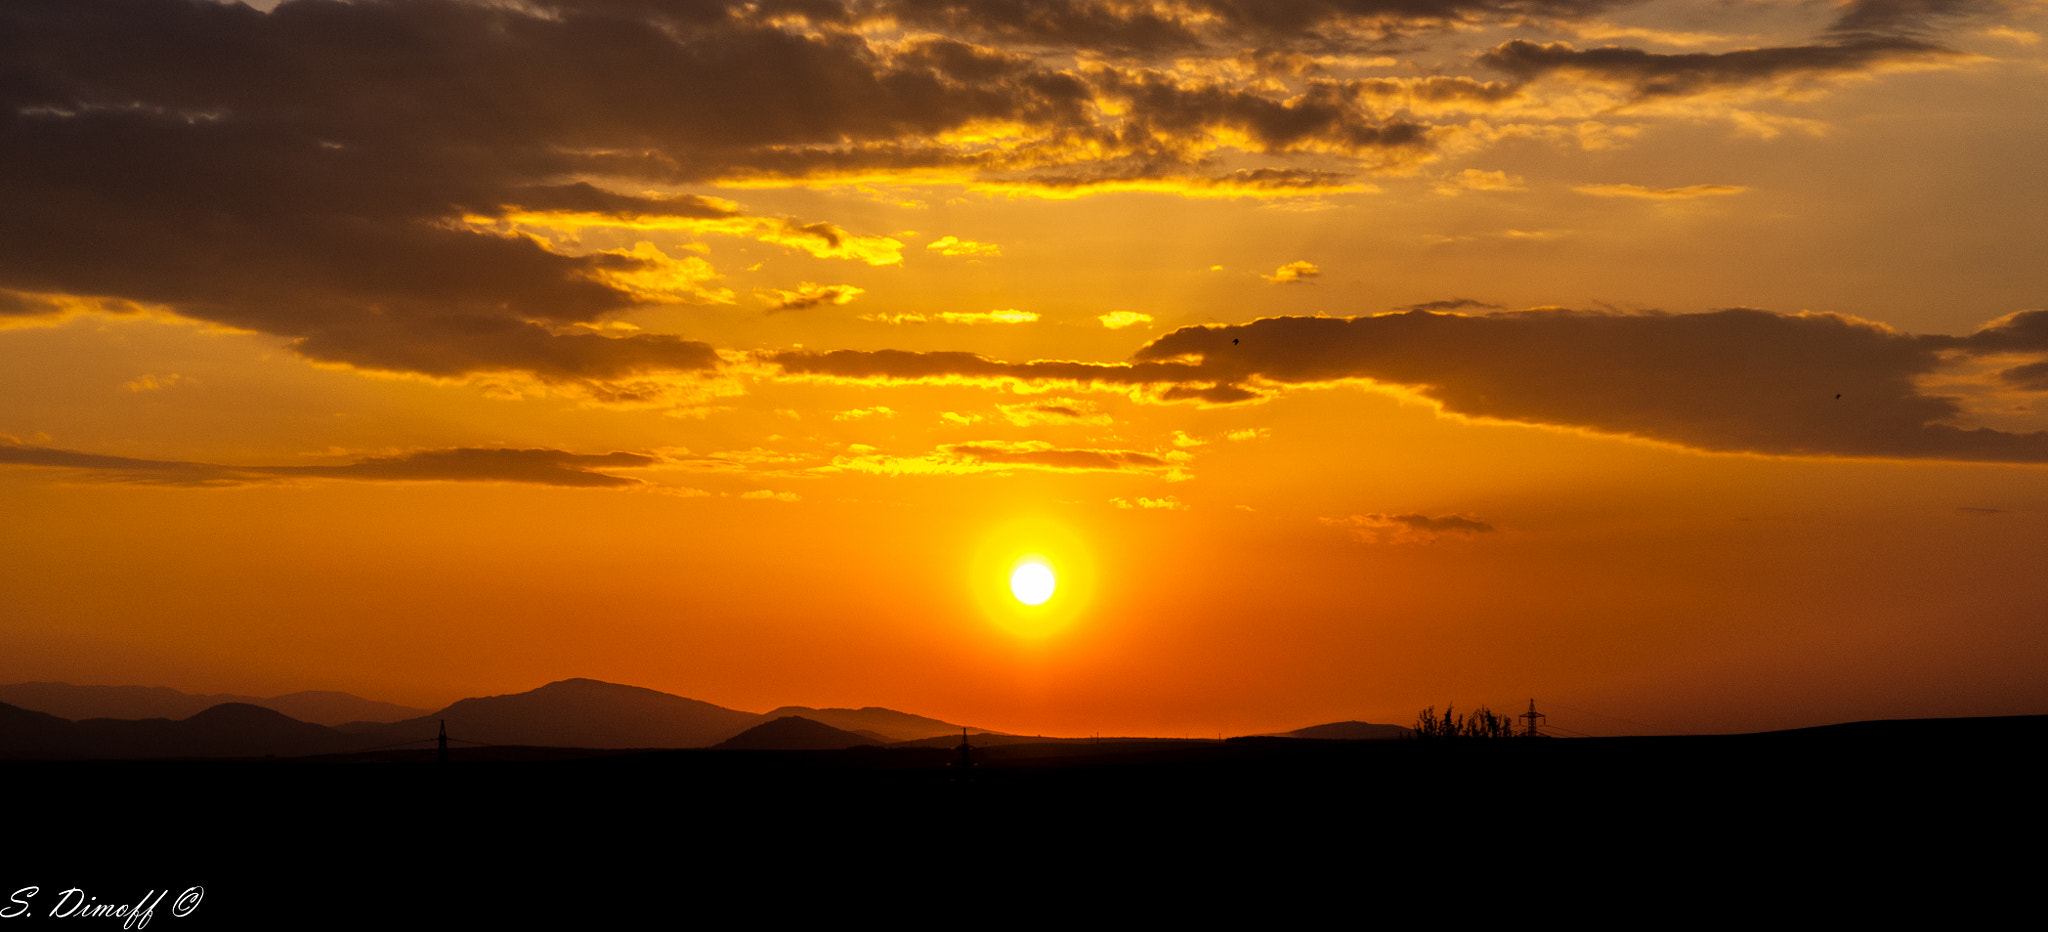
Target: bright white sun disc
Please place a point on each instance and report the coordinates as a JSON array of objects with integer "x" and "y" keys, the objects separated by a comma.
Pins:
[{"x": 1032, "y": 583}]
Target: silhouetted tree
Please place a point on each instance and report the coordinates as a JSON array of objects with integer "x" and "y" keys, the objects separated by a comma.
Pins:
[{"x": 1484, "y": 723}]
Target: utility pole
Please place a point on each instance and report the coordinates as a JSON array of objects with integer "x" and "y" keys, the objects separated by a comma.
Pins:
[{"x": 1533, "y": 718}]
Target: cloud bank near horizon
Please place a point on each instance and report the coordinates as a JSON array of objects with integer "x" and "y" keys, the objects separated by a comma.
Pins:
[{"x": 1735, "y": 380}]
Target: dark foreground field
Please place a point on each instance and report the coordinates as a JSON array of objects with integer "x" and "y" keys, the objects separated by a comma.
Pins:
[{"x": 1839, "y": 815}]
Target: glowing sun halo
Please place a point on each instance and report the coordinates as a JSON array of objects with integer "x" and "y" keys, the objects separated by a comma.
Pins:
[{"x": 1032, "y": 583}]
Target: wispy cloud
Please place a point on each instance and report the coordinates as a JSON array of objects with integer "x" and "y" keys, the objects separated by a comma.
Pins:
[
  {"x": 1687, "y": 192},
  {"x": 808, "y": 294},
  {"x": 543, "y": 467},
  {"x": 1411, "y": 528},
  {"x": 1005, "y": 456}
]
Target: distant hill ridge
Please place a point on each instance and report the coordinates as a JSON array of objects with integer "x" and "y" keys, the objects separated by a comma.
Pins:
[
  {"x": 230, "y": 729},
  {"x": 574, "y": 713},
  {"x": 887, "y": 723},
  {"x": 794, "y": 733},
  {"x": 582, "y": 713},
  {"x": 1351, "y": 731},
  {"x": 571, "y": 713},
  {"x": 77, "y": 703}
]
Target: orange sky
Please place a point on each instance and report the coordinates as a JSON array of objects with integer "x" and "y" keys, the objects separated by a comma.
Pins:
[{"x": 1680, "y": 366}]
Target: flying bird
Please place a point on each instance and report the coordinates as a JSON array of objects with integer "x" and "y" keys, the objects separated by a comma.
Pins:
[{"x": 1233, "y": 342}]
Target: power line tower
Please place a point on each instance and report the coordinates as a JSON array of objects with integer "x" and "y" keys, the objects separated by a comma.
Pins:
[
  {"x": 962, "y": 767},
  {"x": 1534, "y": 720}
]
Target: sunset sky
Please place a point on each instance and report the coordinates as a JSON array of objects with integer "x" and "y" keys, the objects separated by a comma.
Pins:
[{"x": 1682, "y": 365}]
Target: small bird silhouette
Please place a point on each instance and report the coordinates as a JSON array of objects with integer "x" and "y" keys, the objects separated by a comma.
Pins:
[
  {"x": 1838, "y": 396},
  {"x": 1233, "y": 342}
]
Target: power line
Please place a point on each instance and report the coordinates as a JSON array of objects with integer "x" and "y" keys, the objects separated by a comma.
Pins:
[{"x": 1659, "y": 728}]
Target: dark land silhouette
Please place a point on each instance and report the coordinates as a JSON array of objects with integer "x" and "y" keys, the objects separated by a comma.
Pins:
[
  {"x": 795, "y": 817},
  {"x": 595, "y": 838}
]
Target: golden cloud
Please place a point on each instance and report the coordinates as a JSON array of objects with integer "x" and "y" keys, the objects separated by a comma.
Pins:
[
  {"x": 1293, "y": 273},
  {"x": 954, "y": 246}
]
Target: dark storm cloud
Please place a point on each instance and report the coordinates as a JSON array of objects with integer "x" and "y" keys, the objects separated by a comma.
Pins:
[
  {"x": 457, "y": 345},
  {"x": 312, "y": 171},
  {"x": 1440, "y": 90},
  {"x": 1139, "y": 28},
  {"x": 347, "y": 175},
  {"x": 1653, "y": 74},
  {"x": 1140, "y": 171},
  {"x": 1737, "y": 380},
  {"x": 2019, "y": 332},
  {"x": 1905, "y": 17},
  {"x": 1308, "y": 15},
  {"x": 13, "y": 304},
  {"x": 584, "y": 197},
  {"x": 1326, "y": 113},
  {"x": 16, "y": 304},
  {"x": 304, "y": 172},
  {"x": 544, "y": 467},
  {"x": 2022, "y": 332},
  {"x": 1866, "y": 35},
  {"x": 2031, "y": 377},
  {"x": 1069, "y": 23},
  {"x": 1732, "y": 380}
]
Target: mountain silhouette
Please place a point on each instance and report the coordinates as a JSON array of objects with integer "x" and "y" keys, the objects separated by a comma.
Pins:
[
  {"x": 78, "y": 703},
  {"x": 1351, "y": 731},
  {"x": 794, "y": 733},
  {"x": 579, "y": 713},
  {"x": 328, "y": 707},
  {"x": 230, "y": 729},
  {"x": 27, "y": 733},
  {"x": 886, "y": 724}
]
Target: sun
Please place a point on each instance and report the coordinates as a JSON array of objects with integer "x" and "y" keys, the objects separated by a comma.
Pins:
[
  {"x": 1033, "y": 577},
  {"x": 1032, "y": 582}
]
